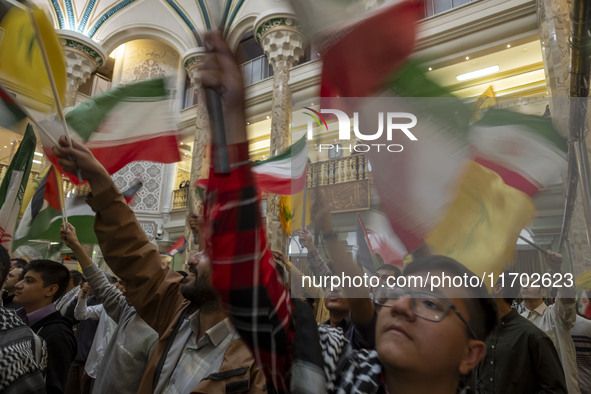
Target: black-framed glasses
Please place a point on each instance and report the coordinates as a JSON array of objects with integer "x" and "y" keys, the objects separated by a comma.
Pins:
[{"x": 428, "y": 306}]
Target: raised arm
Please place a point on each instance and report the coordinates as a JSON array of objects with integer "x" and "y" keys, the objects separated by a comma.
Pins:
[
  {"x": 113, "y": 301},
  {"x": 362, "y": 308},
  {"x": 566, "y": 303},
  {"x": 84, "y": 312},
  {"x": 318, "y": 265},
  {"x": 153, "y": 291},
  {"x": 243, "y": 268}
]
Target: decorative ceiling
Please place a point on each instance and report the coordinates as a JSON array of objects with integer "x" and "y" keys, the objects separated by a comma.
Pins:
[{"x": 88, "y": 17}]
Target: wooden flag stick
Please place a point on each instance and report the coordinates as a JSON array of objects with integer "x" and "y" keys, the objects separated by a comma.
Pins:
[
  {"x": 58, "y": 104},
  {"x": 530, "y": 243}
]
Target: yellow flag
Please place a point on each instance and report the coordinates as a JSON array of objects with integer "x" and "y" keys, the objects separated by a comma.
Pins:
[
  {"x": 481, "y": 228},
  {"x": 21, "y": 63},
  {"x": 291, "y": 212},
  {"x": 584, "y": 280},
  {"x": 31, "y": 189},
  {"x": 486, "y": 99}
]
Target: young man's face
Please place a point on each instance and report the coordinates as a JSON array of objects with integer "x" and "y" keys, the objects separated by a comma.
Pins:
[
  {"x": 12, "y": 279},
  {"x": 335, "y": 301},
  {"x": 407, "y": 342},
  {"x": 533, "y": 292},
  {"x": 30, "y": 291}
]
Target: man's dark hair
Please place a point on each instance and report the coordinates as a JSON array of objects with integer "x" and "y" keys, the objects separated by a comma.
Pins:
[
  {"x": 22, "y": 264},
  {"x": 4, "y": 264},
  {"x": 19, "y": 263},
  {"x": 482, "y": 308},
  {"x": 511, "y": 288},
  {"x": 52, "y": 273},
  {"x": 76, "y": 277},
  {"x": 390, "y": 267}
]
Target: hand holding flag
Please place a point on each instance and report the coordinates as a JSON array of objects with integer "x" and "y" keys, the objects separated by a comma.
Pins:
[{"x": 79, "y": 157}]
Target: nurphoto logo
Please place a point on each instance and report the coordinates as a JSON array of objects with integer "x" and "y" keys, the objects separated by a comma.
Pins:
[{"x": 388, "y": 122}]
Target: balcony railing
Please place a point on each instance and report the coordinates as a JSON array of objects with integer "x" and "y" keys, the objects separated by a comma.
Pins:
[
  {"x": 180, "y": 198},
  {"x": 346, "y": 169},
  {"x": 256, "y": 70},
  {"x": 324, "y": 173}
]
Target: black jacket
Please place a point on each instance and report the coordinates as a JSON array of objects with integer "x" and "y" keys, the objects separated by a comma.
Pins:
[{"x": 61, "y": 349}]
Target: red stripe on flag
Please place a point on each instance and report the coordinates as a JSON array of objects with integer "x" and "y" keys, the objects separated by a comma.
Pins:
[
  {"x": 511, "y": 178},
  {"x": 352, "y": 68},
  {"x": 162, "y": 149},
  {"x": 52, "y": 193},
  {"x": 282, "y": 186}
]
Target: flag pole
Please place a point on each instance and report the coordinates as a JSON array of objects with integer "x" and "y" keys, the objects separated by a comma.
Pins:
[
  {"x": 533, "y": 245},
  {"x": 60, "y": 192},
  {"x": 24, "y": 110},
  {"x": 371, "y": 251},
  {"x": 58, "y": 104}
]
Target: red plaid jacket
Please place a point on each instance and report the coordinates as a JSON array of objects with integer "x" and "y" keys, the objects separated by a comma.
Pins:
[{"x": 244, "y": 270}]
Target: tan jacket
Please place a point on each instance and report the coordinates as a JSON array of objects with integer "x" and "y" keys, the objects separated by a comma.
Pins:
[{"x": 155, "y": 293}]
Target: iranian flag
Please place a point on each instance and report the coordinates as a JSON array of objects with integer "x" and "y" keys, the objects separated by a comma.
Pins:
[
  {"x": 342, "y": 30},
  {"x": 13, "y": 186},
  {"x": 128, "y": 123},
  {"x": 418, "y": 184},
  {"x": 437, "y": 190},
  {"x": 525, "y": 150},
  {"x": 42, "y": 219},
  {"x": 285, "y": 173}
]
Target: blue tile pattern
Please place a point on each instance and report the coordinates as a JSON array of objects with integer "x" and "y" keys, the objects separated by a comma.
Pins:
[
  {"x": 107, "y": 14},
  {"x": 58, "y": 13},
  {"x": 86, "y": 15},
  {"x": 185, "y": 19}
]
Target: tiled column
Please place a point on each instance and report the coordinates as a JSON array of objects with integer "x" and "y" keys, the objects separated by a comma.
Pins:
[
  {"x": 199, "y": 168},
  {"x": 283, "y": 43}
]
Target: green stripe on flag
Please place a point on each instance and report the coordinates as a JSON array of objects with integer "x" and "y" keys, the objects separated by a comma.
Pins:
[
  {"x": 88, "y": 116},
  {"x": 22, "y": 161},
  {"x": 293, "y": 150},
  {"x": 430, "y": 99},
  {"x": 537, "y": 124}
]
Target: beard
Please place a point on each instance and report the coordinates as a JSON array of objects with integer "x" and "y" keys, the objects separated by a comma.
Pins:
[{"x": 201, "y": 293}]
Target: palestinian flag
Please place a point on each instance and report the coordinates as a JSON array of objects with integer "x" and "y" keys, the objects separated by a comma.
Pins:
[
  {"x": 43, "y": 218},
  {"x": 285, "y": 173},
  {"x": 128, "y": 123},
  {"x": 10, "y": 113},
  {"x": 178, "y": 247},
  {"x": 525, "y": 150},
  {"x": 13, "y": 186}
]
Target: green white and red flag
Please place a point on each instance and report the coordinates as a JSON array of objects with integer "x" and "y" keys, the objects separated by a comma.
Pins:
[
  {"x": 128, "y": 123},
  {"x": 13, "y": 187}
]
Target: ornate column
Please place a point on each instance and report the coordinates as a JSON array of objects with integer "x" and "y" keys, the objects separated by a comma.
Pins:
[
  {"x": 192, "y": 62},
  {"x": 279, "y": 36},
  {"x": 83, "y": 57}
]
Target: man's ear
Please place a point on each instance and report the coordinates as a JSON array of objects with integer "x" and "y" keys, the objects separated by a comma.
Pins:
[
  {"x": 474, "y": 353},
  {"x": 51, "y": 290}
]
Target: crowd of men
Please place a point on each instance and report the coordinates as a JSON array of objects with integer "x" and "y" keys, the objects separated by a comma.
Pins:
[{"x": 231, "y": 324}]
